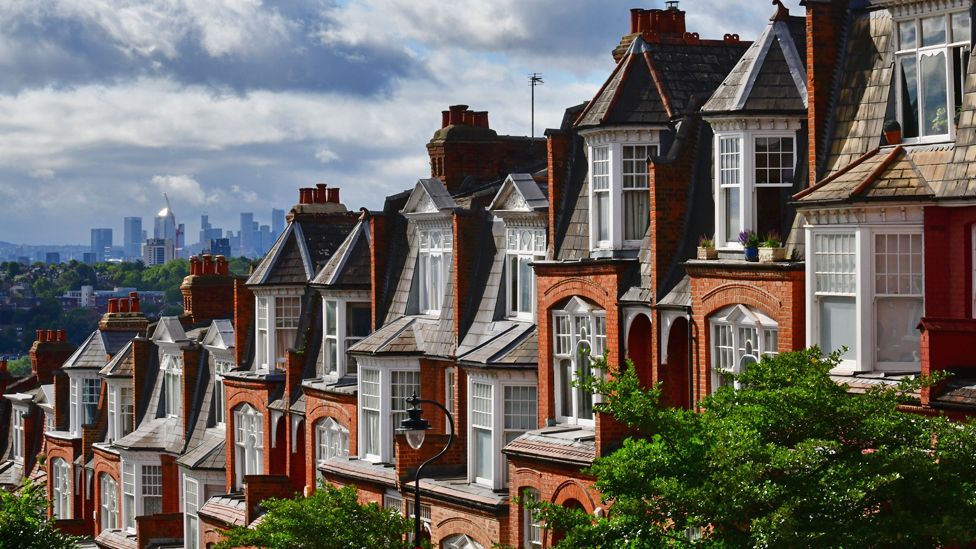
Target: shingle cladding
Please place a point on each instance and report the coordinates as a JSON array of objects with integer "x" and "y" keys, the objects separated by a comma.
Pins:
[
  {"x": 881, "y": 174},
  {"x": 303, "y": 249},
  {"x": 94, "y": 351},
  {"x": 349, "y": 265}
]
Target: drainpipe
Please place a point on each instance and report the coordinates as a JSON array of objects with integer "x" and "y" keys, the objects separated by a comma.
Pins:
[{"x": 691, "y": 375}]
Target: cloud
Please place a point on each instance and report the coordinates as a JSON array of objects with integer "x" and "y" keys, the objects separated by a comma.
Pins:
[
  {"x": 182, "y": 187},
  {"x": 326, "y": 155},
  {"x": 41, "y": 173}
]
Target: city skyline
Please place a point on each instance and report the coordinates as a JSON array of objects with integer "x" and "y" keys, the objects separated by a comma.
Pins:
[{"x": 272, "y": 97}]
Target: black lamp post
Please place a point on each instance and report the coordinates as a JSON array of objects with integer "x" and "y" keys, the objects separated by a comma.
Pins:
[{"x": 415, "y": 427}]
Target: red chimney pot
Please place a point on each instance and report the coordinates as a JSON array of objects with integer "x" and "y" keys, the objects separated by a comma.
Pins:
[
  {"x": 134, "y": 302},
  {"x": 306, "y": 195},
  {"x": 52, "y": 335},
  {"x": 113, "y": 305},
  {"x": 456, "y": 114},
  {"x": 208, "y": 268},
  {"x": 62, "y": 335},
  {"x": 221, "y": 265},
  {"x": 123, "y": 305},
  {"x": 41, "y": 336},
  {"x": 3, "y": 364},
  {"x": 468, "y": 118},
  {"x": 334, "y": 195},
  {"x": 445, "y": 118}
]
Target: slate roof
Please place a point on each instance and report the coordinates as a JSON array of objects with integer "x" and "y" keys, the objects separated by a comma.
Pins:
[
  {"x": 209, "y": 454},
  {"x": 302, "y": 250},
  {"x": 518, "y": 345},
  {"x": 563, "y": 443},
  {"x": 120, "y": 365},
  {"x": 877, "y": 175},
  {"x": 404, "y": 335},
  {"x": 94, "y": 352},
  {"x": 533, "y": 194},
  {"x": 771, "y": 75},
  {"x": 349, "y": 266},
  {"x": 957, "y": 391},
  {"x": 679, "y": 296},
  {"x": 229, "y": 509},
  {"x": 656, "y": 83}
]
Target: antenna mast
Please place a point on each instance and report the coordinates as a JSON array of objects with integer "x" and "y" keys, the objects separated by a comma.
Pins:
[{"x": 535, "y": 79}]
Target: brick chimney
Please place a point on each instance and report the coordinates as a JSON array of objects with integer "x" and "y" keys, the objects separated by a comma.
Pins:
[
  {"x": 48, "y": 353},
  {"x": 124, "y": 315},
  {"x": 320, "y": 199},
  {"x": 208, "y": 291},
  {"x": 465, "y": 146},
  {"x": 825, "y": 23},
  {"x": 655, "y": 26}
]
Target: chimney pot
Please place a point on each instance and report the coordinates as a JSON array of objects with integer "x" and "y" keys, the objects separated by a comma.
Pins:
[
  {"x": 113, "y": 305},
  {"x": 445, "y": 118},
  {"x": 321, "y": 193},
  {"x": 134, "y": 302},
  {"x": 222, "y": 267},
  {"x": 123, "y": 305},
  {"x": 194, "y": 265},
  {"x": 306, "y": 195},
  {"x": 52, "y": 335},
  {"x": 635, "y": 20},
  {"x": 468, "y": 118},
  {"x": 3, "y": 364},
  {"x": 62, "y": 335},
  {"x": 481, "y": 119},
  {"x": 208, "y": 268},
  {"x": 42, "y": 336},
  {"x": 457, "y": 114},
  {"x": 334, "y": 195}
]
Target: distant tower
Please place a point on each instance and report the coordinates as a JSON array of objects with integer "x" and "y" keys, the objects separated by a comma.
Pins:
[
  {"x": 277, "y": 222},
  {"x": 165, "y": 231},
  {"x": 132, "y": 237},
  {"x": 101, "y": 239}
]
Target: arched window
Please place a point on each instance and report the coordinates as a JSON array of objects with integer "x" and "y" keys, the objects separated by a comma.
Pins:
[
  {"x": 61, "y": 488},
  {"x": 580, "y": 332},
  {"x": 460, "y": 541},
  {"x": 531, "y": 524},
  {"x": 740, "y": 336},
  {"x": 248, "y": 442},
  {"x": 333, "y": 439},
  {"x": 109, "y": 514}
]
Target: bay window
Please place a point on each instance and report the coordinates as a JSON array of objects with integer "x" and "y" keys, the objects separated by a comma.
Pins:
[
  {"x": 754, "y": 174},
  {"x": 835, "y": 291},
  {"x": 18, "y": 433},
  {"x": 930, "y": 71},
  {"x": 741, "y": 336},
  {"x": 524, "y": 245},
  {"x": 129, "y": 496},
  {"x": 580, "y": 334},
  {"x": 191, "y": 505},
  {"x": 109, "y": 512},
  {"x": 142, "y": 491},
  {"x": 383, "y": 393},
  {"x": 502, "y": 406},
  {"x": 172, "y": 386},
  {"x": 61, "y": 493},
  {"x": 898, "y": 297},
  {"x": 263, "y": 342},
  {"x": 248, "y": 443},
  {"x": 619, "y": 192},
  {"x": 434, "y": 267},
  {"x": 152, "y": 489},
  {"x": 345, "y": 324},
  {"x": 332, "y": 441}
]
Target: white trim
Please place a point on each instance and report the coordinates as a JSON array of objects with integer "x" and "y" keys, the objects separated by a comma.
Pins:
[
  {"x": 567, "y": 346},
  {"x": 342, "y": 338},
  {"x": 498, "y": 382},
  {"x": 385, "y": 370}
]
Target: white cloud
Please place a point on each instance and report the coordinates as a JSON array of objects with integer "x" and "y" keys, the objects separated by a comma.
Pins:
[
  {"x": 182, "y": 187},
  {"x": 249, "y": 197},
  {"x": 42, "y": 173},
  {"x": 326, "y": 155}
]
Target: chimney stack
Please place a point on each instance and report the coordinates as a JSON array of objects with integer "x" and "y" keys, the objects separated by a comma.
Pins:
[
  {"x": 321, "y": 194},
  {"x": 3, "y": 365},
  {"x": 208, "y": 292},
  {"x": 48, "y": 353}
]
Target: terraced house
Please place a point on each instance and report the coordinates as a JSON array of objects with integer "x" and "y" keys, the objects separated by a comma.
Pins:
[{"x": 489, "y": 284}]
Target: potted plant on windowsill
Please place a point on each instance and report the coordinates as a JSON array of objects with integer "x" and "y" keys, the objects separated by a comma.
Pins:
[
  {"x": 750, "y": 244},
  {"x": 706, "y": 248},
  {"x": 772, "y": 248},
  {"x": 892, "y": 132}
]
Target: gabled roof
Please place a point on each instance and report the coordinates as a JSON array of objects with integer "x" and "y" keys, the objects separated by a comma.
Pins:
[
  {"x": 169, "y": 330},
  {"x": 516, "y": 346},
  {"x": 520, "y": 193},
  {"x": 94, "y": 352},
  {"x": 220, "y": 334},
  {"x": 771, "y": 75},
  {"x": 875, "y": 176},
  {"x": 655, "y": 83},
  {"x": 429, "y": 196},
  {"x": 120, "y": 365},
  {"x": 303, "y": 248},
  {"x": 349, "y": 265}
]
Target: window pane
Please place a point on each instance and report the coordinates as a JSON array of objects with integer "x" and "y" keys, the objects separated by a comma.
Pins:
[
  {"x": 838, "y": 325},
  {"x": 482, "y": 453},
  {"x": 908, "y": 92},
  {"x": 525, "y": 278},
  {"x": 934, "y": 94},
  {"x": 330, "y": 317},
  {"x": 730, "y": 202},
  {"x": 358, "y": 319},
  {"x": 835, "y": 265},
  {"x": 602, "y": 214},
  {"x": 933, "y": 31},
  {"x": 585, "y": 404},
  {"x": 481, "y": 395},
  {"x": 770, "y": 202},
  {"x": 898, "y": 335},
  {"x": 601, "y": 168},
  {"x": 520, "y": 408},
  {"x": 906, "y": 35},
  {"x": 961, "y": 27},
  {"x": 636, "y": 213},
  {"x": 566, "y": 387}
]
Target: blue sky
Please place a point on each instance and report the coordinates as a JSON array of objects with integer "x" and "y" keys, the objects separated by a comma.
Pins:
[{"x": 231, "y": 105}]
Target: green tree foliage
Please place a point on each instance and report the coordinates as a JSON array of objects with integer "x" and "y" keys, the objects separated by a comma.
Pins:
[
  {"x": 24, "y": 523},
  {"x": 20, "y": 367},
  {"x": 331, "y": 518},
  {"x": 789, "y": 460}
]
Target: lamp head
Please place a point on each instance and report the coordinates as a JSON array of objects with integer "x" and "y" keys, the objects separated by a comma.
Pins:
[{"x": 414, "y": 427}]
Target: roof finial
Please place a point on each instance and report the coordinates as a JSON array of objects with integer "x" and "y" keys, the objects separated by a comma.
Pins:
[{"x": 782, "y": 12}]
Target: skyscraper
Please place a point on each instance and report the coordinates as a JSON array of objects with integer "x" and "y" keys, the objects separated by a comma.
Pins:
[
  {"x": 132, "y": 237},
  {"x": 277, "y": 222},
  {"x": 101, "y": 239},
  {"x": 248, "y": 233},
  {"x": 165, "y": 227}
]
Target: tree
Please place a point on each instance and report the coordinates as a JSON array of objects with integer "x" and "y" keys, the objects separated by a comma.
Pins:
[
  {"x": 789, "y": 460},
  {"x": 24, "y": 523},
  {"x": 331, "y": 518}
]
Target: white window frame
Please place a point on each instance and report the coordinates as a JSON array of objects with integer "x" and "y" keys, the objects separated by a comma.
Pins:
[
  {"x": 493, "y": 420},
  {"x": 567, "y": 346},
  {"x": 388, "y": 416},
  {"x": 62, "y": 492},
  {"x": 221, "y": 367},
  {"x": 524, "y": 245},
  {"x": 120, "y": 409},
  {"x": 248, "y": 443},
  {"x": 615, "y": 190},
  {"x": 533, "y": 528},
  {"x": 172, "y": 369},
  {"x": 331, "y": 440},
  {"x": 17, "y": 433},
  {"x": 151, "y": 486},
  {"x": 268, "y": 356},
  {"x": 130, "y": 503},
  {"x": 731, "y": 347},
  {"x": 191, "y": 508},
  {"x": 135, "y": 490},
  {"x": 109, "y": 508},
  {"x": 917, "y": 52},
  {"x": 336, "y": 336},
  {"x": 79, "y": 396},
  {"x": 864, "y": 357},
  {"x": 746, "y": 182},
  {"x": 450, "y": 384},
  {"x": 433, "y": 281}
]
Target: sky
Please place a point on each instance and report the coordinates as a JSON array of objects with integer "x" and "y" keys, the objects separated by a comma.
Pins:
[{"x": 232, "y": 105}]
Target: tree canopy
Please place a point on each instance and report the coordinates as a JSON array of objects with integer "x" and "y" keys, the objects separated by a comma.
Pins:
[
  {"x": 789, "y": 460},
  {"x": 24, "y": 523},
  {"x": 331, "y": 518}
]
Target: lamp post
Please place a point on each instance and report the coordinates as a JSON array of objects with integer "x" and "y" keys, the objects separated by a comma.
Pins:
[{"x": 414, "y": 428}]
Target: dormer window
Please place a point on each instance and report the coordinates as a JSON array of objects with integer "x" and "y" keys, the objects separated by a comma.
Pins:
[
  {"x": 933, "y": 54},
  {"x": 525, "y": 245},
  {"x": 18, "y": 434},
  {"x": 84, "y": 402},
  {"x": 754, "y": 172},
  {"x": 434, "y": 267},
  {"x": 619, "y": 194},
  {"x": 172, "y": 387},
  {"x": 120, "y": 411},
  {"x": 346, "y": 323},
  {"x": 221, "y": 367},
  {"x": 277, "y": 328}
]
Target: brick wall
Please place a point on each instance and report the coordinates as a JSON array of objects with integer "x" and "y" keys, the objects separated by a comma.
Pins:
[
  {"x": 104, "y": 463},
  {"x": 775, "y": 291},
  {"x": 161, "y": 526},
  {"x": 825, "y": 23},
  {"x": 318, "y": 406},
  {"x": 47, "y": 354},
  {"x": 669, "y": 184},
  {"x": 208, "y": 291},
  {"x": 258, "y": 488},
  {"x": 257, "y": 393},
  {"x": 68, "y": 450},
  {"x": 556, "y": 483},
  {"x": 480, "y": 525},
  {"x": 243, "y": 320}
]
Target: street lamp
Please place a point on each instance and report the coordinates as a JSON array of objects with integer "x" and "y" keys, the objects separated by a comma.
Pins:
[{"x": 414, "y": 428}]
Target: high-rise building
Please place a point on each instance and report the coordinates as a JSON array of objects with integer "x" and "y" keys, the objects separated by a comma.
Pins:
[
  {"x": 157, "y": 251},
  {"x": 180, "y": 239},
  {"x": 247, "y": 233},
  {"x": 132, "y": 237},
  {"x": 165, "y": 226},
  {"x": 52, "y": 258},
  {"x": 101, "y": 240},
  {"x": 207, "y": 231},
  {"x": 220, "y": 246},
  {"x": 88, "y": 258},
  {"x": 265, "y": 239},
  {"x": 277, "y": 222}
]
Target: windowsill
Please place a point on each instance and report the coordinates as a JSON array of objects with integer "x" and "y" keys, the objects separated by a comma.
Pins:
[{"x": 742, "y": 264}]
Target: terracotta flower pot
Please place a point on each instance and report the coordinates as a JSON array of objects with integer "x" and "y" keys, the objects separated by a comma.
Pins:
[
  {"x": 707, "y": 253},
  {"x": 893, "y": 137},
  {"x": 769, "y": 255}
]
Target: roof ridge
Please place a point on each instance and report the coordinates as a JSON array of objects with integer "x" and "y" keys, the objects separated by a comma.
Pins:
[
  {"x": 878, "y": 170},
  {"x": 857, "y": 162}
]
